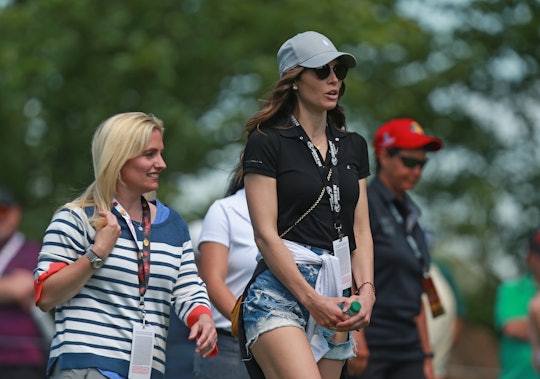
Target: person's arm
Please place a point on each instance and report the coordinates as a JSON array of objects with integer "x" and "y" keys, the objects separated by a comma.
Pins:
[
  {"x": 357, "y": 364},
  {"x": 192, "y": 304},
  {"x": 510, "y": 318},
  {"x": 362, "y": 262},
  {"x": 213, "y": 267},
  {"x": 68, "y": 281},
  {"x": 421, "y": 324},
  {"x": 17, "y": 287},
  {"x": 517, "y": 328},
  {"x": 263, "y": 209},
  {"x": 534, "y": 330}
]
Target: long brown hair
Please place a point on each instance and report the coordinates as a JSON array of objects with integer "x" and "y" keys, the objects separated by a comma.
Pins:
[
  {"x": 236, "y": 178},
  {"x": 280, "y": 103}
]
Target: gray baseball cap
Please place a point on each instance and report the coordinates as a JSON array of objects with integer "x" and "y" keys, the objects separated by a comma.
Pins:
[{"x": 310, "y": 50}]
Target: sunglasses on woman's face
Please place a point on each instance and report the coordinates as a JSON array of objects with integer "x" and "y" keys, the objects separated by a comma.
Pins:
[{"x": 324, "y": 71}]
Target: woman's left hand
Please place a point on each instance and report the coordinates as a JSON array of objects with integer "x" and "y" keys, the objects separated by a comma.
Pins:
[
  {"x": 428, "y": 368},
  {"x": 205, "y": 332},
  {"x": 362, "y": 318}
]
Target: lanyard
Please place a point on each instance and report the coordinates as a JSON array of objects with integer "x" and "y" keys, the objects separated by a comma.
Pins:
[
  {"x": 330, "y": 180},
  {"x": 410, "y": 222},
  {"x": 143, "y": 256},
  {"x": 435, "y": 304}
]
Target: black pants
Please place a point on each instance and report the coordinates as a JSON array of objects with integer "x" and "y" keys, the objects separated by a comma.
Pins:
[
  {"x": 22, "y": 372},
  {"x": 344, "y": 374},
  {"x": 392, "y": 370}
]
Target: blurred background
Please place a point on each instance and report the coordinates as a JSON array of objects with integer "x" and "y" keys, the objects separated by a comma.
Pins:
[{"x": 466, "y": 70}]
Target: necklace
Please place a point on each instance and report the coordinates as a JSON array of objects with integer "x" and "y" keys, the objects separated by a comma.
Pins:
[
  {"x": 138, "y": 225},
  {"x": 318, "y": 146}
]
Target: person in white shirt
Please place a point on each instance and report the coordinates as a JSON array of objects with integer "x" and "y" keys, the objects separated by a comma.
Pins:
[{"x": 227, "y": 260}]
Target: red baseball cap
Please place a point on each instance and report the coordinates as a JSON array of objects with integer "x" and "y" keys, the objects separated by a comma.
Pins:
[{"x": 404, "y": 133}]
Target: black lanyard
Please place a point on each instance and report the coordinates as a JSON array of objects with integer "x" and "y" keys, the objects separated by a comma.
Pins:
[
  {"x": 410, "y": 222},
  {"x": 143, "y": 256},
  {"x": 329, "y": 176}
]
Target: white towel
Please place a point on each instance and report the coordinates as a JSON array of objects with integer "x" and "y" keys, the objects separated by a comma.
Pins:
[{"x": 328, "y": 284}]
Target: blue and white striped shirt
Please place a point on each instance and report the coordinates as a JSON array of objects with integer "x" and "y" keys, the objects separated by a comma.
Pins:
[{"x": 95, "y": 327}]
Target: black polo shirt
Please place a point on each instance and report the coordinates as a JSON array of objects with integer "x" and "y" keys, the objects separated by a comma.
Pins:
[
  {"x": 392, "y": 334},
  {"x": 281, "y": 154}
]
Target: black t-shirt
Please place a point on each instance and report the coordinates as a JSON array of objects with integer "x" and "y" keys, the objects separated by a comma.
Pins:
[
  {"x": 281, "y": 154},
  {"x": 392, "y": 334}
]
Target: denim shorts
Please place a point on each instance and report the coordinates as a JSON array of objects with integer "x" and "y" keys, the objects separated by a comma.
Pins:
[{"x": 270, "y": 305}]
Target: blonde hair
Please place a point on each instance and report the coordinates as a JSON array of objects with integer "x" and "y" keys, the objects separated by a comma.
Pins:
[{"x": 118, "y": 139}]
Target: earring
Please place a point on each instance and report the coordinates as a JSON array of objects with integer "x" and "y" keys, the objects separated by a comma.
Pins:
[{"x": 294, "y": 87}]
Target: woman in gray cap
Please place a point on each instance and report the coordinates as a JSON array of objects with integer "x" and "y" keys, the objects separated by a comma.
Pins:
[{"x": 305, "y": 180}]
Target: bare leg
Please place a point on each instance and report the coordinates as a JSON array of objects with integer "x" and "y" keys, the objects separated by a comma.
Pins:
[
  {"x": 284, "y": 353},
  {"x": 330, "y": 368}
]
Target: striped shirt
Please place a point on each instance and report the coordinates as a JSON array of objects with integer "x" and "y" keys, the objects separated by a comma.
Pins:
[{"x": 95, "y": 327}]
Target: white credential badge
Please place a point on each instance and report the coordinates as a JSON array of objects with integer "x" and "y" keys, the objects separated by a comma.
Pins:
[{"x": 142, "y": 352}]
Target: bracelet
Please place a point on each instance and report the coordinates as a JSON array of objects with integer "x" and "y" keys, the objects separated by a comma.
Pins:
[
  {"x": 362, "y": 285},
  {"x": 429, "y": 355}
]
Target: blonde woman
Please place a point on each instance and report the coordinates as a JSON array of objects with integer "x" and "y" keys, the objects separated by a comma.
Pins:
[{"x": 115, "y": 260}]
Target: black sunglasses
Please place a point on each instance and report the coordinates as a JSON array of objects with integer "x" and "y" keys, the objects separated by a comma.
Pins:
[
  {"x": 412, "y": 162},
  {"x": 324, "y": 71}
]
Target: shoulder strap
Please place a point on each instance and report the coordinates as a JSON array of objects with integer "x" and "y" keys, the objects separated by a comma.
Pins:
[{"x": 309, "y": 210}]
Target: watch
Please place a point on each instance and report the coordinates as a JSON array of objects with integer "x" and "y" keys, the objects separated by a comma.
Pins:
[{"x": 95, "y": 260}]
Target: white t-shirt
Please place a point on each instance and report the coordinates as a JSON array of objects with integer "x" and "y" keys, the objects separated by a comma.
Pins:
[
  {"x": 441, "y": 329},
  {"x": 227, "y": 222}
]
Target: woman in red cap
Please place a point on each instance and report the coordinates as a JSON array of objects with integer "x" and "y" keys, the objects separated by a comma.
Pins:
[{"x": 397, "y": 337}]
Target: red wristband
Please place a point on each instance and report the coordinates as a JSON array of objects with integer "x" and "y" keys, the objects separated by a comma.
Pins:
[{"x": 196, "y": 313}]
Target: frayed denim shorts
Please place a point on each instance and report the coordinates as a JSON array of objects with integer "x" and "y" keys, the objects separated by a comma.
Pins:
[{"x": 270, "y": 305}]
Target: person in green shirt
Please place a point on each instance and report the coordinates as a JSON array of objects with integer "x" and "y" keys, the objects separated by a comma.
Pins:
[
  {"x": 534, "y": 308},
  {"x": 512, "y": 317}
]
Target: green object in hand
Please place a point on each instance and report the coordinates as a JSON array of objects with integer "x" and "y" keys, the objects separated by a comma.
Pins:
[{"x": 354, "y": 308}]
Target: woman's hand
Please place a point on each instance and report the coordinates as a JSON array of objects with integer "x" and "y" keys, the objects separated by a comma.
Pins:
[
  {"x": 428, "y": 368},
  {"x": 326, "y": 311},
  {"x": 17, "y": 287},
  {"x": 205, "y": 332},
  {"x": 360, "y": 319},
  {"x": 106, "y": 236}
]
